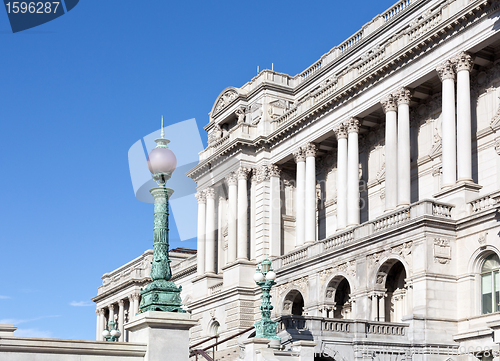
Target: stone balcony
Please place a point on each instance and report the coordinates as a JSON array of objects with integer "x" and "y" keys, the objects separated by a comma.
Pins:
[
  {"x": 397, "y": 221},
  {"x": 331, "y": 329}
]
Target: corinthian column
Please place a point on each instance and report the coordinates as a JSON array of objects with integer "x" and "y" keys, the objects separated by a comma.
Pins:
[
  {"x": 404, "y": 162},
  {"x": 242, "y": 213},
  {"x": 391, "y": 152},
  {"x": 341, "y": 134},
  {"x": 300, "y": 159},
  {"x": 448, "y": 140},
  {"x": 463, "y": 63},
  {"x": 275, "y": 212},
  {"x": 200, "y": 244},
  {"x": 352, "y": 172},
  {"x": 232, "y": 182},
  {"x": 310, "y": 192},
  {"x": 121, "y": 319},
  {"x": 210, "y": 233}
]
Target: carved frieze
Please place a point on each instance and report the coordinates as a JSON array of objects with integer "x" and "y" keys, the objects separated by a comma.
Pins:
[{"x": 227, "y": 98}]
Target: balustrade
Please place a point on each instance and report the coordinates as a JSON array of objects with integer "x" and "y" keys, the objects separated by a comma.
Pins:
[
  {"x": 339, "y": 239},
  {"x": 294, "y": 256},
  {"x": 482, "y": 203},
  {"x": 395, "y": 10},
  {"x": 392, "y": 220}
]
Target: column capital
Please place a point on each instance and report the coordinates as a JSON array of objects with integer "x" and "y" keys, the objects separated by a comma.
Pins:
[
  {"x": 136, "y": 296},
  {"x": 463, "y": 61},
  {"x": 121, "y": 303},
  {"x": 243, "y": 173},
  {"x": 446, "y": 71},
  {"x": 274, "y": 170},
  {"x": 340, "y": 131},
  {"x": 389, "y": 103},
  {"x": 232, "y": 179},
  {"x": 403, "y": 96},
  {"x": 263, "y": 173},
  {"x": 299, "y": 155},
  {"x": 253, "y": 176},
  {"x": 353, "y": 125},
  {"x": 210, "y": 192},
  {"x": 201, "y": 197},
  {"x": 111, "y": 307},
  {"x": 309, "y": 150},
  {"x": 101, "y": 311}
]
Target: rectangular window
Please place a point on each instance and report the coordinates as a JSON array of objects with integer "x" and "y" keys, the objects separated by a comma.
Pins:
[
  {"x": 486, "y": 293},
  {"x": 497, "y": 289}
]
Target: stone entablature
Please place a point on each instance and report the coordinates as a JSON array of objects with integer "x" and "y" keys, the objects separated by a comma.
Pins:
[{"x": 401, "y": 48}]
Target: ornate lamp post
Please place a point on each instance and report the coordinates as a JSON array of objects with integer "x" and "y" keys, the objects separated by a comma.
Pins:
[
  {"x": 161, "y": 294},
  {"x": 112, "y": 333},
  {"x": 264, "y": 277}
]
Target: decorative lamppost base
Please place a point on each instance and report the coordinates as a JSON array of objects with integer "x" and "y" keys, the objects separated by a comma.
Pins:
[
  {"x": 266, "y": 328},
  {"x": 161, "y": 295}
]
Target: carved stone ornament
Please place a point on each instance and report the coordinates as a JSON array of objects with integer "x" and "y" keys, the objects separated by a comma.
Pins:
[
  {"x": 348, "y": 268},
  {"x": 263, "y": 173},
  {"x": 324, "y": 274},
  {"x": 353, "y": 125},
  {"x": 482, "y": 238},
  {"x": 210, "y": 192},
  {"x": 446, "y": 71},
  {"x": 300, "y": 283},
  {"x": 232, "y": 179},
  {"x": 240, "y": 113},
  {"x": 201, "y": 197},
  {"x": 226, "y": 98},
  {"x": 442, "y": 251},
  {"x": 497, "y": 145},
  {"x": 389, "y": 104},
  {"x": 274, "y": 170},
  {"x": 299, "y": 155},
  {"x": 403, "y": 96},
  {"x": 463, "y": 61},
  {"x": 309, "y": 150},
  {"x": 340, "y": 131},
  {"x": 243, "y": 173}
]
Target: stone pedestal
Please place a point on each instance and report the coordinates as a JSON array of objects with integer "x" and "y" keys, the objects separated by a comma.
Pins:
[
  {"x": 165, "y": 333},
  {"x": 459, "y": 195},
  {"x": 239, "y": 273},
  {"x": 203, "y": 283}
]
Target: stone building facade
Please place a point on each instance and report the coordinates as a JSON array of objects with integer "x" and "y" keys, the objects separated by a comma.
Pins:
[{"x": 372, "y": 180}]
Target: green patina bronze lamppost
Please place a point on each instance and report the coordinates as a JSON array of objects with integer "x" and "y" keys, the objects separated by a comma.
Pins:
[
  {"x": 112, "y": 333},
  {"x": 264, "y": 277},
  {"x": 161, "y": 294}
]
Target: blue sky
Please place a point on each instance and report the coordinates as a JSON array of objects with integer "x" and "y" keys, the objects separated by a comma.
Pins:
[{"x": 77, "y": 92}]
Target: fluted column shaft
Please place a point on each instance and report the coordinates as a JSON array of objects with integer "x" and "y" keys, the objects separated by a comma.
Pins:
[
  {"x": 403, "y": 154},
  {"x": 341, "y": 134},
  {"x": 448, "y": 140},
  {"x": 391, "y": 152},
  {"x": 137, "y": 298},
  {"x": 300, "y": 159},
  {"x": 242, "y": 248},
  {"x": 463, "y": 63},
  {"x": 310, "y": 193},
  {"x": 121, "y": 319},
  {"x": 111, "y": 309},
  {"x": 232, "y": 182},
  {"x": 200, "y": 244},
  {"x": 99, "y": 323},
  {"x": 253, "y": 200},
  {"x": 275, "y": 211},
  {"x": 352, "y": 172},
  {"x": 210, "y": 231}
]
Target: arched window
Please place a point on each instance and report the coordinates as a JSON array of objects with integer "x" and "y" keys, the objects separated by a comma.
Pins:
[{"x": 490, "y": 284}]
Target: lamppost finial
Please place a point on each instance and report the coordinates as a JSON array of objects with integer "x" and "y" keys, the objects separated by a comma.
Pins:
[{"x": 162, "y": 130}]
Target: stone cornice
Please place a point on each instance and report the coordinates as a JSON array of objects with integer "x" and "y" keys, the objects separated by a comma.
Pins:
[{"x": 410, "y": 52}]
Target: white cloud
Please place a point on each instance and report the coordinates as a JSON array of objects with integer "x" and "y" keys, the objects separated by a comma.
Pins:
[
  {"x": 81, "y": 303},
  {"x": 4, "y": 297},
  {"x": 17, "y": 321},
  {"x": 32, "y": 332}
]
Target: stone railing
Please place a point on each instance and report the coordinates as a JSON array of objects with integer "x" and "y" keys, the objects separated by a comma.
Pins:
[
  {"x": 311, "y": 70},
  {"x": 302, "y": 327},
  {"x": 353, "y": 40},
  {"x": 294, "y": 256},
  {"x": 387, "y": 222},
  {"x": 392, "y": 220},
  {"x": 339, "y": 239},
  {"x": 221, "y": 141},
  {"x": 396, "y": 10},
  {"x": 336, "y": 325},
  {"x": 485, "y": 202},
  {"x": 212, "y": 290},
  {"x": 385, "y": 328}
]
